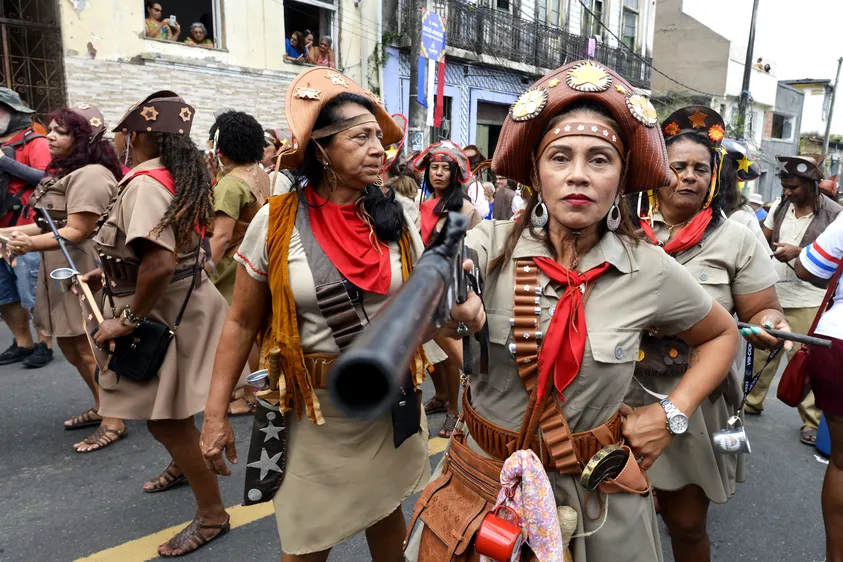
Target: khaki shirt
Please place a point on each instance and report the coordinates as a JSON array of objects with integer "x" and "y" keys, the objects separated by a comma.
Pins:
[
  {"x": 792, "y": 291},
  {"x": 644, "y": 288}
]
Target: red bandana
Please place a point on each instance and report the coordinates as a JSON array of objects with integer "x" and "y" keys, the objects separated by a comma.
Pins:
[
  {"x": 349, "y": 243},
  {"x": 688, "y": 238},
  {"x": 428, "y": 219},
  {"x": 564, "y": 344}
]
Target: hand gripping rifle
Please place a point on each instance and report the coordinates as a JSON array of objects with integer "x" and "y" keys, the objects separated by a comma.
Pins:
[
  {"x": 91, "y": 315},
  {"x": 365, "y": 380}
]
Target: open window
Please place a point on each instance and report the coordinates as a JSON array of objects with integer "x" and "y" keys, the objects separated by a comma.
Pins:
[
  {"x": 187, "y": 14},
  {"x": 443, "y": 132},
  {"x": 782, "y": 127},
  {"x": 550, "y": 12},
  {"x": 316, "y": 16},
  {"x": 591, "y": 21},
  {"x": 490, "y": 118}
]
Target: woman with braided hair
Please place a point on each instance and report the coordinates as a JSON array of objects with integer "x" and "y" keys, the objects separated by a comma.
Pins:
[{"x": 150, "y": 246}]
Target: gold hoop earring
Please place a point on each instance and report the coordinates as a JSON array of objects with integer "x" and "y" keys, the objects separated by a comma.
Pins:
[{"x": 330, "y": 177}]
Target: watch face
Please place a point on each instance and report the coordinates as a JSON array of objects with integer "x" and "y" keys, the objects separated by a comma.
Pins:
[{"x": 678, "y": 423}]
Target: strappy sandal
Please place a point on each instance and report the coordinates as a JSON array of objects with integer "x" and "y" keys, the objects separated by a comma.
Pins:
[
  {"x": 87, "y": 419},
  {"x": 250, "y": 407},
  {"x": 165, "y": 480},
  {"x": 102, "y": 438},
  {"x": 449, "y": 425},
  {"x": 435, "y": 405},
  {"x": 808, "y": 437},
  {"x": 190, "y": 538}
]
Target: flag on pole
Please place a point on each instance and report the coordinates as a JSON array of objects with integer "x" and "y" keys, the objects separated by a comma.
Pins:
[
  {"x": 440, "y": 95},
  {"x": 420, "y": 84},
  {"x": 431, "y": 81}
]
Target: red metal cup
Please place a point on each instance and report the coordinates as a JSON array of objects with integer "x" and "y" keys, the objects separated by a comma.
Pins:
[{"x": 499, "y": 538}]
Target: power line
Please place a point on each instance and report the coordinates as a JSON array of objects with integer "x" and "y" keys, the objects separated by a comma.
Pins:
[{"x": 649, "y": 64}]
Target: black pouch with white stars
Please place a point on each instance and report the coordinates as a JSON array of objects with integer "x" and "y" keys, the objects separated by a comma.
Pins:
[{"x": 266, "y": 461}]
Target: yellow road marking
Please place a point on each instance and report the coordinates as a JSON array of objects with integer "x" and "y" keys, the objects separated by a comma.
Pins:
[{"x": 146, "y": 548}]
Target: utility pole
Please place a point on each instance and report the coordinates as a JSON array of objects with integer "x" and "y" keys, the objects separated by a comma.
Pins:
[
  {"x": 743, "y": 105},
  {"x": 831, "y": 107},
  {"x": 418, "y": 114}
]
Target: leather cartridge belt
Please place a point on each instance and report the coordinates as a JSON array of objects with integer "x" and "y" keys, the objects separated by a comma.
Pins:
[
  {"x": 121, "y": 287},
  {"x": 318, "y": 365},
  {"x": 499, "y": 442}
]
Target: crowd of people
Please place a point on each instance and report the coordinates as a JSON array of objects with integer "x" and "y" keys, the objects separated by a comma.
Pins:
[{"x": 608, "y": 303}]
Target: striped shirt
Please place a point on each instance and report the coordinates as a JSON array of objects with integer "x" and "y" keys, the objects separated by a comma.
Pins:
[{"x": 821, "y": 259}]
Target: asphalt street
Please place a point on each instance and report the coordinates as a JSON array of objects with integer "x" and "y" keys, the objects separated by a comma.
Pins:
[{"x": 59, "y": 505}]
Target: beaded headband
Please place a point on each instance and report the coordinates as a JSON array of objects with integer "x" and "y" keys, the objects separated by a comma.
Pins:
[{"x": 582, "y": 129}]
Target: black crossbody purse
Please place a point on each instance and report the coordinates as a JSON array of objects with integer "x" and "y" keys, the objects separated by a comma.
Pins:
[{"x": 139, "y": 355}]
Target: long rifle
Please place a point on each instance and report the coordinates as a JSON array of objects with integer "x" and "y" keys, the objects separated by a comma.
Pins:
[{"x": 91, "y": 315}]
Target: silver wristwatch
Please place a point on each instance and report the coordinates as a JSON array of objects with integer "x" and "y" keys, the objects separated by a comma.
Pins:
[{"x": 677, "y": 422}]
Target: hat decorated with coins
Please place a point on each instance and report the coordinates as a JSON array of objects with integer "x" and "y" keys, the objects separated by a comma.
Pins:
[
  {"x": 394, "y": 150},
  {"x": 309, "y": 93},
  {"x": 804, "y": 166},
  {"x": 445, "y": 151},
  {"x": 695, "y": 120},
  {"x": 746, "y": 167},
  {"x": 94, "y": 117},
  {"x": 161, "y": 112},
  {"x": 525, "y": 133}
]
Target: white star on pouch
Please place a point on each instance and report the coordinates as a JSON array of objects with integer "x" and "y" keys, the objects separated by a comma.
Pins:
[{"x": 265, "y": 464}]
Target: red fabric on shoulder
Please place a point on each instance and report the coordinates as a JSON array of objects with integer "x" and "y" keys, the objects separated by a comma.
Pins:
[
  {"x": 165, "y": 178},
  {"x": 428, "y": 219}
]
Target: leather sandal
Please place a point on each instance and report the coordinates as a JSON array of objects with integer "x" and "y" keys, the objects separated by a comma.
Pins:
[
  {"x": 86, "y": 419},
  {"x": 102, "y": 438},
  {"x": 165, "y": 480},
  {"x": 449, "y": 425},
  {"x": 190, "y": 538},
  {"x": 808, "y": 437},
  {"x": 435, "y": 405}
]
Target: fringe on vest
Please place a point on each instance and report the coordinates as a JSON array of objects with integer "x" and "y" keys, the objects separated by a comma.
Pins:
[{"x": 281, "y": 330}]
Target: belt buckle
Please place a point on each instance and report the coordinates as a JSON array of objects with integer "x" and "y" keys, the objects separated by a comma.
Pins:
[{"x": 606, "y": 464}]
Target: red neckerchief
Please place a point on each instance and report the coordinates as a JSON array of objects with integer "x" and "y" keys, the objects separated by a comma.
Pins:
[
  {"x": 165, "y": 178},
  {"x": 564, "y": 344},
  {"x": 428, "y": 219},
  {"x": 688, "y": 238},
  {"x": 350, "y": 244}
]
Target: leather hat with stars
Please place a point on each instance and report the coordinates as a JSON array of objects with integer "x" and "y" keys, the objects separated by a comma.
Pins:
[
  {"x": 161, "y": 112},
  {"x": 804, "y": 166},
  {"x": 308, "y": 94},
  {"x": 746, "y": 166},
  {"x": 93, "y": 116},
  {"x": 394, "y": 150},
  {"x": 640, "y": 140},
  {"x": 695, "y": 120},
  {"x": 445, "y": 151}
]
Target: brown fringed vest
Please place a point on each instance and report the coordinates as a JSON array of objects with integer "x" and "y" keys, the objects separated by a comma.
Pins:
[{"x": 281, "y": 328}]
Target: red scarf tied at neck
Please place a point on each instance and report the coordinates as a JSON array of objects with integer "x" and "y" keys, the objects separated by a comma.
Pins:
[
  {"x": 688, "y": 237},
  {"x": 564, "y": 344},
  {"x": 350, "y": 244},
  {"x": 428, "y": 219}
]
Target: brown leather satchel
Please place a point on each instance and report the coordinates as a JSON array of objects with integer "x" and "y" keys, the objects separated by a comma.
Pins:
[{"x": 453, "y": 506}]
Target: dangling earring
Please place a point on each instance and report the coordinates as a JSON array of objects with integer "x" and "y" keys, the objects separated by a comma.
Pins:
[
  {"x": 379, "y": 181},
  {"x": 330, "y": 177},
  {"x": 613, "y": 219},
  {"x": 539, "y": 215}
]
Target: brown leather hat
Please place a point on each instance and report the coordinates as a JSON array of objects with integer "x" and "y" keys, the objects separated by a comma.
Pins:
[
  {"x": 161, "y": 112},
  {"x": 695, "y": 120},
  {"x": 93, "y": 116},
  {"x": 584, "y": 81},
  {"x": 804, "y": 166},
  {"x": 308, "y": 93}
]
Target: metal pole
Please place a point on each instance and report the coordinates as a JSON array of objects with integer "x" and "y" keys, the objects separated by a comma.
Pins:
[
  {"x": 831, "y": 107},
  {"x": 747, "y": 70}
]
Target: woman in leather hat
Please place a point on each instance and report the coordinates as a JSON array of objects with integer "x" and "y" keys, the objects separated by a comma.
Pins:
[
  {"x": 149, "y": 244},
  {"x": 339, "y": 232},
  {"x": 80, "y": 183},
  {"x": 569, "y": 288},
  {"x": 689, "y": 222}
]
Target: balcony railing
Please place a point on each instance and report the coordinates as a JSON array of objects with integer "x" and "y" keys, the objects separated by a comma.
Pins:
[{"x": 500, "y": 35}]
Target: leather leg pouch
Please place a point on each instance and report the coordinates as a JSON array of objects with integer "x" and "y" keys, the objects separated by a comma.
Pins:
[
  {"x": 453, "y": 506},
  {"x": 632, "y": 479}
]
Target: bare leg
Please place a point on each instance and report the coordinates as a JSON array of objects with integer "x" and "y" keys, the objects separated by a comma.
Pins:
[
  {"x": 832, "y": 495},
  {"x": 451, "y": 367},
  {"x": 181, "y": 438},
  {"x": 386, "y": 538},
  {"x": 439, "y": 385},
  {"x": 44, "y": 338},
  {"x": 685, "y": 512},
  {"x": 17, "y": 318}
]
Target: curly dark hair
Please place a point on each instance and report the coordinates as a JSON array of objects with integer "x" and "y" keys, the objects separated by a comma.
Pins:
[
  {"x": 240, "y": 137},
  {"x": 193, "y": 206},
  {"x": 84, "y": 152},
  {"x": 382, "y": 207}
]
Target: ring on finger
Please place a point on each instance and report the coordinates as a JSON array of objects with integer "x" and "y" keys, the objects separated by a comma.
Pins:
[{"x": 462, "y": 329}]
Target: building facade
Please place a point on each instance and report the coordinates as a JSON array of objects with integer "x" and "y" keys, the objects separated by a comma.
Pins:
[
  {"x": 780, "y": 137},
  {"x": 63, "y": 52},
  {"x": 497, "y": 48}
]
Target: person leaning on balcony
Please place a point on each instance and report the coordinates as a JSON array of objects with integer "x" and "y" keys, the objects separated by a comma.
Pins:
[
  {"x": 199, "y": 36},
  {"x": 323, "y": 55},
  {"x": 156, "y": 28},
  {"x": 295, "y": 48}
]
